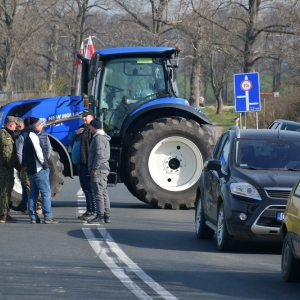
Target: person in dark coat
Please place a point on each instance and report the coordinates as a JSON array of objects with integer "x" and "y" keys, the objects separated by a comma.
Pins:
[
  {"x": 82, "y": 138},
  {"x": 35, "y": 156}
]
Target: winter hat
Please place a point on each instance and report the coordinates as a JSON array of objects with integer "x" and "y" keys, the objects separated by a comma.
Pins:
[
  {"x": 96, "y": 123},
  {"x": 87, "y": 112},
  {"x": 35, "y": 122}
]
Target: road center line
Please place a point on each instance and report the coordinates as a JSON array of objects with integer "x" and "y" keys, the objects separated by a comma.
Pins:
[
  {"x": 133, "y": 266},
  {"x": 117, "y": 271},
  {"x": 120, "y": 272}
]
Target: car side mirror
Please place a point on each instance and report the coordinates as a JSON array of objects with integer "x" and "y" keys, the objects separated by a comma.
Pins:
[{"x": 213, "y": 164}]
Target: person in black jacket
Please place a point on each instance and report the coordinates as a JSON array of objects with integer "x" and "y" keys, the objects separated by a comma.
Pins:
[
  {"x": 82, "y": 138},
  {"x": 35, "y": 156}
]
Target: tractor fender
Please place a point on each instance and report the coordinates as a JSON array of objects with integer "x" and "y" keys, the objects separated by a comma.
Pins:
[
  {"x": 64, "y": 155},
  {"x": 149, "y": 110}
]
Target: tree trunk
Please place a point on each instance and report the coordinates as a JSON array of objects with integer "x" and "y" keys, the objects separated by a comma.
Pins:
[
  {"x": 195, "y": 76},
  {"x": 218, "y": 95}
]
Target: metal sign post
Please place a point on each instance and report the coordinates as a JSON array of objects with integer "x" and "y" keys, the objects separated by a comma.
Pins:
[{"x": 271, "y": 95}]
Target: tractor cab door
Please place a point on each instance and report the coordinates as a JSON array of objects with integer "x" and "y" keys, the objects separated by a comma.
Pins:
[{"x": 120, "y": 86}]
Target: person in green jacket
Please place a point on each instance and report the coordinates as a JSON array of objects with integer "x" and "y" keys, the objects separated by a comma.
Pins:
[{"x": 8, "y": 161}]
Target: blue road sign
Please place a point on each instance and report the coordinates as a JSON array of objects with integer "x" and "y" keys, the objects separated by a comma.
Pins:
[{"x": 246, "y": 92}]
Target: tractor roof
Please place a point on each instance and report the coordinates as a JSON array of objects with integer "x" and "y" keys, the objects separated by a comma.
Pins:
[{"x": 140, "y": 51}]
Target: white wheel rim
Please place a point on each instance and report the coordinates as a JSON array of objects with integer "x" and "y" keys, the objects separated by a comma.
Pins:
[
  {"x": 198, "y": 215},
  {"x": 175, "y": 163},
  {"x": 17, "y": 186}
]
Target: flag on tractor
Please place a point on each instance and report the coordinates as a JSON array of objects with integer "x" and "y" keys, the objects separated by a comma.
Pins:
[
  {"x": 90, "y": 50},
  {"x": 82, "y": 51}
]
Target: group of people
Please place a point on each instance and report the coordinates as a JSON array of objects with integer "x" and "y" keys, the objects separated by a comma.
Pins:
[
  {"x": 25, "y": 146},
  {"x": 91, "y": 152},
  {"x": 28, "y": 152}
]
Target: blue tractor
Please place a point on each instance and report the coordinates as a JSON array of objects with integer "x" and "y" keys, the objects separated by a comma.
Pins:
[
  {"x": 62, "y": 115},
  {"x": 159, "y": 141}
]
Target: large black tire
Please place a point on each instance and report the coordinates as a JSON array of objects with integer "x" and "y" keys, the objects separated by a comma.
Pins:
[
  {"x": 225, "y": 241},
  {"x": 56, "y": 179},
  {"x": 166, "y": 160},
  {"x": 56, "y": 176},
  {"x": 290, "y": 266},
  {"x": 202, "y": 231}
]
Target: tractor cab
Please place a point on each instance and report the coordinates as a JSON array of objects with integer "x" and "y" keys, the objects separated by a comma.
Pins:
[
  {"x": 123, "y": 81},
  {"x": 158, "y": 141}
]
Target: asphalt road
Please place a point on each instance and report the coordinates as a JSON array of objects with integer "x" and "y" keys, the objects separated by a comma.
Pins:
[{"x": 144, "y": 253}]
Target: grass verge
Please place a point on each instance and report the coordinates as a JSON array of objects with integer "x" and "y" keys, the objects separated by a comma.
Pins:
[{"x": 225, "y": 120}]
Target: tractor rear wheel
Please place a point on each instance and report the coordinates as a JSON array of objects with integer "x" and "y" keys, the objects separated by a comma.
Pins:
[
  {"x": 166, "y": 160},
  {"x": 56, "y": 178}
]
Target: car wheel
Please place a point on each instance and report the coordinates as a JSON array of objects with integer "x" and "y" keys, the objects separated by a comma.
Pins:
[
  {"x": 225, "y": 241},
  {"x": 202, "y": 231},
  {"x": 290, "y": 266}
]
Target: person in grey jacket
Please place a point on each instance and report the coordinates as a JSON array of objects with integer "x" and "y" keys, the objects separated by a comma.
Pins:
[{"x": 98, "y": 166}]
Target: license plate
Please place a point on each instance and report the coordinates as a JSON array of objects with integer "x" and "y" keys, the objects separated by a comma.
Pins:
[{"x": 280, "y": 216}]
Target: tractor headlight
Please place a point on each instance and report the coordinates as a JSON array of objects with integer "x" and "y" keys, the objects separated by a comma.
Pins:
[{"x": 245, "y": 190}]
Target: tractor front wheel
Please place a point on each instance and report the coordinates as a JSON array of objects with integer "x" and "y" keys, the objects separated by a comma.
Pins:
[{"x": 166, "y": 160}]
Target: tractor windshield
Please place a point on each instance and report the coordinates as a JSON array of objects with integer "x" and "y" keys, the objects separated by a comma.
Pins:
[{"x": 127, "y": 83}]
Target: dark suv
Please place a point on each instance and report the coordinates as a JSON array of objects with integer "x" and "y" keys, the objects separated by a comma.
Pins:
[
  {"x": 284, "y": 125},
  {"x": 245, "y": 184}
]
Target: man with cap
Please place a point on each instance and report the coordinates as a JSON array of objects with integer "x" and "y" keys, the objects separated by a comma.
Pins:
[
  {"x": 36, "y": 152},
  {"x": 98, "y": 165},
  {"x": 82, "y": 138},
  {"x": 25, "y": 182},
  {"x": 8, "y": 161}
]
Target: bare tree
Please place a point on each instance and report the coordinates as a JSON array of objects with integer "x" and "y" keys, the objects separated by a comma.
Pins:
[
  {"x": 249, "y": 20},
  {"x": 19, "y": 21},
  {"x": 153, "y": 26}
]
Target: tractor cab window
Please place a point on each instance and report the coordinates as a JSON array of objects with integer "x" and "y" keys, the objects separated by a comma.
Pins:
[{"x": 126, "y": 84}]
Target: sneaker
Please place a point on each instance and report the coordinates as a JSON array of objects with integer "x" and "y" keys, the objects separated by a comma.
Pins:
[
  {"x": 89, "y": 217},
  {"x": 35, "y": 221},
  {"x": 50, "y": 221},
  {"x": 106, "y": 219},
  {"x": 97, "y": 220},
  {"x": 83, "y": 215},
  {"x": 7, "y": 219}
]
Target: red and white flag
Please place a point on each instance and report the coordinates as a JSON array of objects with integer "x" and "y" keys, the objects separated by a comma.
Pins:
[
  {"x": 82, "y": 51},
  {"x": 90, "y": 50}
]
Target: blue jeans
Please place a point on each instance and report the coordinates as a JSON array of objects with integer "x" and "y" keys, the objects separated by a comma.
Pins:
[
  {"x": 86, "y": 186},
  {"x": 39, "y": 182}
]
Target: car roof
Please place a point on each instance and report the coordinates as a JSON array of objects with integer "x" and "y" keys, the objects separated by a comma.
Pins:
[
  {"x": 265, "y": 134},
  {"x": 286, "y": 121}
]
